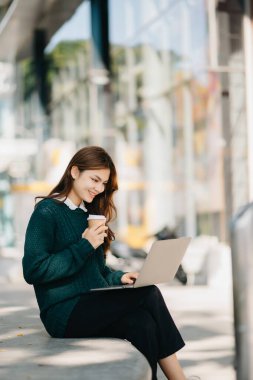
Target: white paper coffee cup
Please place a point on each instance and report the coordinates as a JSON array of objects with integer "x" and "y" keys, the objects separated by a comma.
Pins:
[{"x": 96, "y": 220}]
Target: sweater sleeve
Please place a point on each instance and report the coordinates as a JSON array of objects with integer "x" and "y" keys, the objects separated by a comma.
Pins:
[
  {"x": 40, "y": 264},
  {"x": 113, "y": 277}
]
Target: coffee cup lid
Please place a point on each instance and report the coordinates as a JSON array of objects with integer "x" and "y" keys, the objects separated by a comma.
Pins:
[{"x": 99, "y": 217}]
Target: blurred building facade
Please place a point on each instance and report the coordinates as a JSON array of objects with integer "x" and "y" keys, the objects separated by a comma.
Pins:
[{"x": 163, "y": 85}]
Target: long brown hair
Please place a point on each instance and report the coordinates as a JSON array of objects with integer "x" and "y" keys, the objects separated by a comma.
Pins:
[{"x": 91, "y": 158}]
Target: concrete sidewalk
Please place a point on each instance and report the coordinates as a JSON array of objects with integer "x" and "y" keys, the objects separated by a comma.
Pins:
[{"x": 203, "y": 315}]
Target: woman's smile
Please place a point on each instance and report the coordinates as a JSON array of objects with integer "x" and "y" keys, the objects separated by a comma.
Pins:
[{"x": 92, "y": 194}]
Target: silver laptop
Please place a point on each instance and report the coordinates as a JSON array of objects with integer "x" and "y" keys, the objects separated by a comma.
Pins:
[{"x": 160, "y": 265}]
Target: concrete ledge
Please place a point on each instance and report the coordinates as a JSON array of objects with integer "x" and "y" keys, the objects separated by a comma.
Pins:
[
  {"x": 41, "y": 358},
  {"x": 28, "y": 353}
]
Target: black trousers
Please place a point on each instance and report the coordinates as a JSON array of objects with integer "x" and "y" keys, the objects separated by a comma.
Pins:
[{"x": 138, "y": 315}]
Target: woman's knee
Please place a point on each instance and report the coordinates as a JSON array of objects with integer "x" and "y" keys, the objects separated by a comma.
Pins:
[{"x": 153, "y": 292}]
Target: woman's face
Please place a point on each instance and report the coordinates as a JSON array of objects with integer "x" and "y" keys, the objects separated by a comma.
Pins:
[{"x": 87, "y": 184}]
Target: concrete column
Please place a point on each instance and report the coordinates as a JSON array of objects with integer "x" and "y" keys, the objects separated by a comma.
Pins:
[
  {"x": 225, "y": 115},
  {"x": 248, "y": 46},
  {"x": 190, "y": 204}
]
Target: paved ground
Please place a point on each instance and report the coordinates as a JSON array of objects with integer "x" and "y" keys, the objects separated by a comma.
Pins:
[{"x": 203, "y": 314}]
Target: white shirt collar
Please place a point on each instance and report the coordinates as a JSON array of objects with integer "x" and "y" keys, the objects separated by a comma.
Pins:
[{"x": 72, "y": 205}]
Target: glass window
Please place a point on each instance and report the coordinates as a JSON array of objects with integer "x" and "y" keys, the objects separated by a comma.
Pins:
[
  {"x": 68, "y": 54},
  {"x": 167, "y": 111}
]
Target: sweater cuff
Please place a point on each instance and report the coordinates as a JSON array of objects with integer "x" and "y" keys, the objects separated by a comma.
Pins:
[{"x": 117, "y": 277}]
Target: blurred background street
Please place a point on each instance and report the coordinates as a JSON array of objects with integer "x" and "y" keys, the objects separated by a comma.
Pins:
[{"x": 165, "y": 86}]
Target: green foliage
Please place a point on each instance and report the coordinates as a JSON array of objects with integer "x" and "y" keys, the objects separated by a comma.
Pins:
[
  {"x": 57, "y": 59},
  {"x": 65, "y": 52}
]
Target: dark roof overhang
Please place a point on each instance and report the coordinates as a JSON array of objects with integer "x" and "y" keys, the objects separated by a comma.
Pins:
[{"x": 23, "y": 17}]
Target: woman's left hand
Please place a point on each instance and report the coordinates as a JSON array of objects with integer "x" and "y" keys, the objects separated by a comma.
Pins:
[{"x": 129, "y": 278}]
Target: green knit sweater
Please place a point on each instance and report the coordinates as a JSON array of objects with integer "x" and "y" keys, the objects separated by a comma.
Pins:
[{"x": 61, "y": 264}]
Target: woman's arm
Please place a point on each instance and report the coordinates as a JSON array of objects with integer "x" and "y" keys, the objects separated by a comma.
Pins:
[
  {"x": 40, "y": 264},
  {"x": 118, "y": 277},
  {"x": 113, "y": 277}
]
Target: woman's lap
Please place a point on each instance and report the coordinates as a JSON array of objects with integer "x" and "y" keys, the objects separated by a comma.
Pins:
[
  {"x": 138, "y": 315},
  {"x": 97, "y": 310}
]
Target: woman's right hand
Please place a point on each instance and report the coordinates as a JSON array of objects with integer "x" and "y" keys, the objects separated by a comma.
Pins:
[{"x": 95, "y": 235}]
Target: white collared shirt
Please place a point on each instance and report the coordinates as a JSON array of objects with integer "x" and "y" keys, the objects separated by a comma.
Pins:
[{"x": 72, "y": 205}]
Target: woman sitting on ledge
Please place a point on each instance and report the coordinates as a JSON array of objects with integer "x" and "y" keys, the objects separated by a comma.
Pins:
[{"x": 64, "y": 259}]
